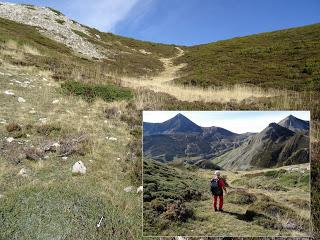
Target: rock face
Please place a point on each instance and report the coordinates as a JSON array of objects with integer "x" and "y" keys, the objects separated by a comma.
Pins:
[
  {"x": 79, "y": 168},
  {"x": 53, "y": 25}
]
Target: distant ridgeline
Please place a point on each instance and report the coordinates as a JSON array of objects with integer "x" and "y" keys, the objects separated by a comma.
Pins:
[{"x": 179, "y": 139}]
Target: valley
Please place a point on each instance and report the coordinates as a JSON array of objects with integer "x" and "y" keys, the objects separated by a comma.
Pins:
[{"x": 70, "y": 93}]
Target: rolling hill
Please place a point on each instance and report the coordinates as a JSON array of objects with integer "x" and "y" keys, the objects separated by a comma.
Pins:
[
  {"x": 275, "y": 146},
  {"x": 285, "y": 59}
]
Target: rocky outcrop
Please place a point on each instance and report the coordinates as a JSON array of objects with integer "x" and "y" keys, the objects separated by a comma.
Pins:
[{"x": 53, "y": 25}]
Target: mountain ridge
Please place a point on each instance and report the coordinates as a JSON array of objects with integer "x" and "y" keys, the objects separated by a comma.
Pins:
[{"x": 273, "y": 146}]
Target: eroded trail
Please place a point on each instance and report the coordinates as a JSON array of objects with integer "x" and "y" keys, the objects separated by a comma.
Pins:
[
  {"x": 170, "y": 70},
  {"x": 163, "y": 83}
]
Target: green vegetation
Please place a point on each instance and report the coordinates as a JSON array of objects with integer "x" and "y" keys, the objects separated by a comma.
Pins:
[
  {"x": 55, "y": 11},
  {"x": 90, "y": 92},
  {"x": 166, "y": 191},
  {"x": 60, "y": 21},
  {"x": 285, "y": 59},
  {"x": 248, "y": 211},
  {"x": 62, "y": 211},
  {"x": 276, "y": 180}
]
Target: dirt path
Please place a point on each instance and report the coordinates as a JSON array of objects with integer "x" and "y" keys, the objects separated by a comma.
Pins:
[
  {"x": 163, "y": 83},
  {"x": 170, "y": 70}
]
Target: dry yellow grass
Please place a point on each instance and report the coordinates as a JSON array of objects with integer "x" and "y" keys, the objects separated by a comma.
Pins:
[{"x": 224, "y": 94}]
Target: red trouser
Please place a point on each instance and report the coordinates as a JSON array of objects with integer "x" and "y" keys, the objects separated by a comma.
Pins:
[{"x": 215, "y": 198}]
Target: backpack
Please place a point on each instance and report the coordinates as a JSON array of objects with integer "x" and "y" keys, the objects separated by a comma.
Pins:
[{"x": 214, "y": 187}]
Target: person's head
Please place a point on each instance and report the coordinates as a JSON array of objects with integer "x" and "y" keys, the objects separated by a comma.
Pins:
[{"x": 217, "y": 173}]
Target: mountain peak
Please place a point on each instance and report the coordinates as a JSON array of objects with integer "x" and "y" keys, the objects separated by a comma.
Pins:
[
  {"x": 176, "y": 125},
  {"x": 294, "y": 124}
]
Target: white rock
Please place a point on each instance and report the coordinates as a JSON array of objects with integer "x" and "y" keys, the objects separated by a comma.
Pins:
[
  {"x": 32, "y": 111},
  {"x": 43, "y": 120},
  {"x": 55, "y": 101},
  {"x": 79, "y": 168},
  {"x": 9, "y": 92},
  {"x": 23, "y": 172},
  {"x": 112, "y": 139},
  {"x": 56, "y": 145},
  {"x": 128, "y": 189},
  {"x": 140, "y": 189},
  {"x": 21, "y": 100},
  {"x": 64, "y": 158},
  {"x": 118, "y": 158},
  {"x": 10, "y": 139}
]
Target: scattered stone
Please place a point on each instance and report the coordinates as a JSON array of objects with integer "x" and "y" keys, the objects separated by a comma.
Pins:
[
  {"x": 43, "y": 120},
  {"x": 55, "y": 101},
  {"x": 128, "y": 189},
  {"x": 111, "y": 138},
  {"x": 140, "y": 189},
  {"x": 9, "y": 92},
  {"x": 10, "y": 139},
  {"x": 23, "y": 172},
  {"x": 3, "y": 121},
  {"x": 79, "y": 168},
  {"x": 21, "y": 100}
]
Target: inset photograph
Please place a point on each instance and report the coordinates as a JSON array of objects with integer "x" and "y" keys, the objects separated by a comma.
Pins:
[{"x": 226, "y": 173}]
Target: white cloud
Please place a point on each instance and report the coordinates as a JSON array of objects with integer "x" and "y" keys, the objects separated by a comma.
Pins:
[{"x": 101, "y": 14}]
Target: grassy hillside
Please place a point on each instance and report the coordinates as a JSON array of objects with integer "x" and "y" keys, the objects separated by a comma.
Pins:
[
  {"x": 127, "y": 56},
  {"x": 41, "y": 137},
  {"x": 258, "y": 203},
  {"x": 288, "y": 59}
]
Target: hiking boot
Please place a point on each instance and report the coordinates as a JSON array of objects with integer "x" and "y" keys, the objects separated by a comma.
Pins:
[
  {"x": 220, "y": 210},
  {"x": 215, "y": 209}
]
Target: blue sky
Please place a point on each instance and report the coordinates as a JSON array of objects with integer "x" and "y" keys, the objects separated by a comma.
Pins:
[
  {"x": 187, "y": 22},
  {"x": 235, "y": 121}
]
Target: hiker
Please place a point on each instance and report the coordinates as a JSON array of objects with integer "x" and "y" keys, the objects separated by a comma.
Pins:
[{"x": 217, "y": 187}]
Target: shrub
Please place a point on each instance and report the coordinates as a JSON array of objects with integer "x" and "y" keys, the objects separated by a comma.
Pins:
[
  {"x": 241, "y": 197},
  {"x": 111, "y": 112},
  {"x": 90, "y": 91},
  {"x": 60, "y": 21},
  {"x": 47, "y": 129},
  {"x": 12, "y": 127}
]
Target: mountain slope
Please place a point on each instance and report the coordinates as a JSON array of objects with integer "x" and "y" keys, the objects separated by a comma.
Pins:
[
  {"x": 179, "y": 137},
  {"x": 88, "y": 52},
  {"x": 295, "y": 124},
  {"x": 177, "y": 124},
  {"x": 286, "y": 59},
  {"x": 274, "y": 146}
]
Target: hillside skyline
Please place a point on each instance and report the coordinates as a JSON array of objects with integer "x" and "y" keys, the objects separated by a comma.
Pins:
[
  {"x": 170, "y": 21},
  {"x": 234, "y": 121}
]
